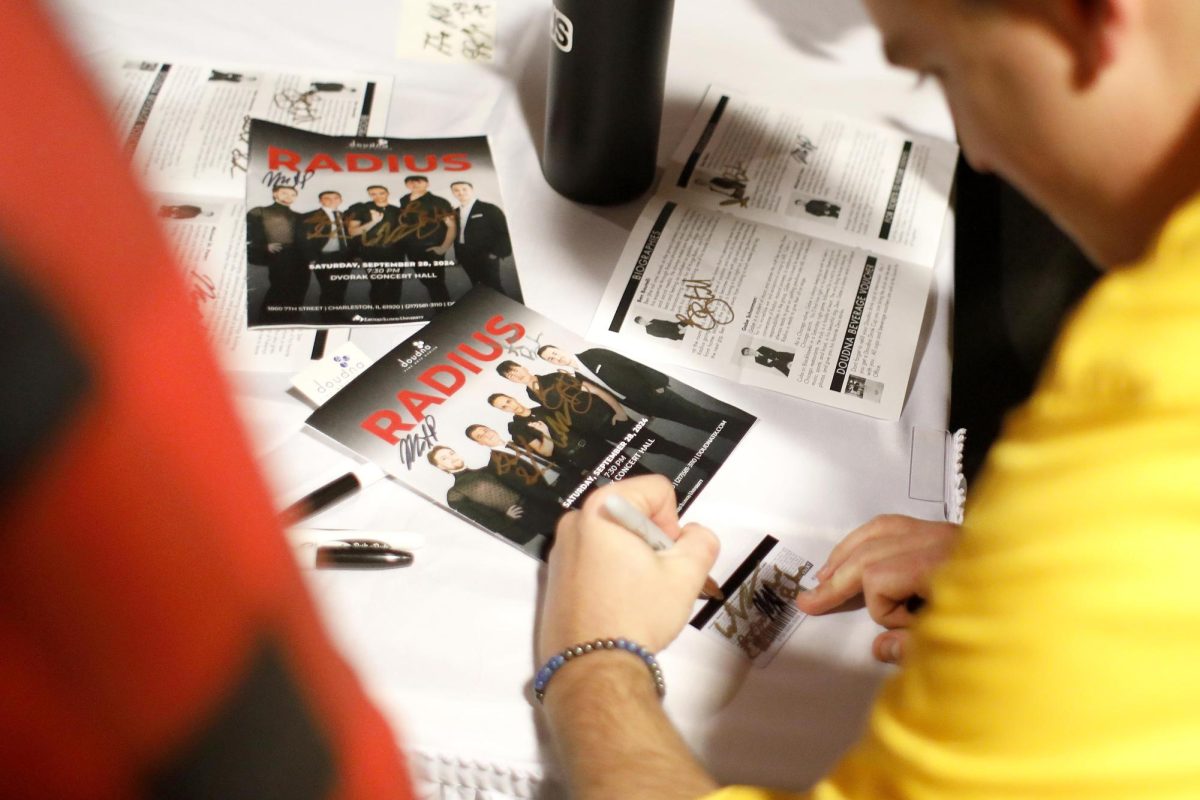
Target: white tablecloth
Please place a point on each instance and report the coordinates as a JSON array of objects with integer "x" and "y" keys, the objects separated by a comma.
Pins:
[{"x": 446, "y": 646}]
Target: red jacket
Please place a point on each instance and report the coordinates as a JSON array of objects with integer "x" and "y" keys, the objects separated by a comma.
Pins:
[{"x": 156, "y": 637}]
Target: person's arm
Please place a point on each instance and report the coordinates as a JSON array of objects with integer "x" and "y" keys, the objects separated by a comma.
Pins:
[
  {"x": 451, "y": 232},
  {"x": 603, "y": 711},
  {"x": 610, "y": 400},
  {"x": 357, "y": 227},
  {"x": 613, "y": 737},
  {"x": 503, "y": 243}
]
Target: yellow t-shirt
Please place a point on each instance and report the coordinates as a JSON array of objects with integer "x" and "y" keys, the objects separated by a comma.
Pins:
[{"x": 1060, "y": 657}]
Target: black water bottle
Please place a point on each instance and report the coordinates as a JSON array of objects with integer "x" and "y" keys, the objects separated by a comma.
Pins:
[{"x": 608, "y": 66}]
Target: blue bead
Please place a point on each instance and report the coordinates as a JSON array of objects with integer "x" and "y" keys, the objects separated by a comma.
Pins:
[
  {"x": 621, "y": 643},
  {"x": 557, "y": 662}
]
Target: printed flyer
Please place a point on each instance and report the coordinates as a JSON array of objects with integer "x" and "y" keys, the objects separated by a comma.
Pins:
[
  {"x": 186, "y": 129},
  {"x": 506, "y": 419},
  {"x": 366, "y": 230},
  {"x": 789, "y": 249}
]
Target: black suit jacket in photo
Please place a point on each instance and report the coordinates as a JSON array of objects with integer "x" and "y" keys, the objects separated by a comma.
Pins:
[
  {"x": 485, "y": 232},
  {"x": 316, "y": 229},
  {"x": 633, "y": 380}
]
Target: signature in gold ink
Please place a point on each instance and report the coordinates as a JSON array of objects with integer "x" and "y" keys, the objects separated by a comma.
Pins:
[
  {"x": 419, "y": 225},
  {"x": 704, "y": 309},
  {"x": 568, "y": 401},
  {"x": 527, "y": 469}
]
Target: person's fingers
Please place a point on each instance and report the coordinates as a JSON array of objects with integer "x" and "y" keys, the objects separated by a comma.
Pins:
[
  {"x": 888, "y": 586},
  {"x": 896, "y": 588},
  {"x": 883, "y": 525},
  {"x": 847, "y": 580},
  {"x": 825, "y": 597},
  {"x": 889, "y": 646}
]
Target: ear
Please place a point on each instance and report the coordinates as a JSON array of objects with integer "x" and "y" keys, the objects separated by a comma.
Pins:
[{"x": 1096, "y": 31}]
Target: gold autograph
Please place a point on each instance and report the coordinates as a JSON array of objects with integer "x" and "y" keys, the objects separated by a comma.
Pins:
[{"x": 704, "y": 309}]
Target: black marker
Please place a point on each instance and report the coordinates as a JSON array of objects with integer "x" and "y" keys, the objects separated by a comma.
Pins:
[
  {"x": 352, "y": 554},
  {"x": 321, "y": 498}
]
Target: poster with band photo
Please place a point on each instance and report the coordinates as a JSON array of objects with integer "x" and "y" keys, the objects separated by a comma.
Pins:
[
  {"x": 506, "y": 419},
  {"x": 367, "y": 230}
]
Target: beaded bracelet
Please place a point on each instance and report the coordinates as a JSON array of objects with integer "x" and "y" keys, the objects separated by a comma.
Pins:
[{"x": 555, "y": 663}]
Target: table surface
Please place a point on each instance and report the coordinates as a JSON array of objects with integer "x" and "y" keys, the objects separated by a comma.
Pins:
[{"x": 446, "y": 646}]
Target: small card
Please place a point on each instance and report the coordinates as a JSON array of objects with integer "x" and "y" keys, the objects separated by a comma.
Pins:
[
  {"x": 334, "y": 370},
  {"x": 759, "y": 611}
]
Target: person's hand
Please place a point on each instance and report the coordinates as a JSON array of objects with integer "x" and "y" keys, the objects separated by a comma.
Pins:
[
  {"x": 889, "y": 561},
  {"x": 438, "y": 251},
  {"x": 514, "y": 511},
  {"x": 605, "y": 582},
  {"x": 376, "y": 216},
  {"x": 274, "y": 247}
]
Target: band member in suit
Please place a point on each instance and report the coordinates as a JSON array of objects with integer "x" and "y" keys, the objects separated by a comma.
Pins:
[
  {"x": 429, "y": 229},
  {"x": 374, "y": 230},
  {"x": 776, "y": 359},
  {"x": 645, "y": 390},
  {"x": 273, "y": 240},
  {"x": 821, "y": 208},
  {"x": 663, "y": 328},
  {"x": 327, "y": 242},
  {"x": 482, "y": 238},
  {"x": 497, "y": 503}
]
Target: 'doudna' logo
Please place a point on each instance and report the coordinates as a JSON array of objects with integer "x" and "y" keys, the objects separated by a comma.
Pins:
[{"x": 420, "y": 352}]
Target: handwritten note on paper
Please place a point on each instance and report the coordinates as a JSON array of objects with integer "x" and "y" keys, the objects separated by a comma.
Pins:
[{"x": 447, "y": 30}]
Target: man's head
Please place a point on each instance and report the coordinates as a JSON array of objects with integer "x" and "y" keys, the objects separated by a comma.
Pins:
[
  {"x": 554, "y": 355},
  {"x": 445, "y": 459},
  {"x": 639, "y": 320},
  {"x": 417, "y": 185},
  {"x": 746, "y": 351},
  {"x": 378, "y": 194},
  {"x": 514, "y": 372},
  {"x": 284, "y": 195},
  {"x": 1087, "y": 106},
  {"x": 330, "y": 199},
  {"x": 463, "y": 192},
  {"x": 482, "y": 434},
  {"x": 508, "y": 405}
]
